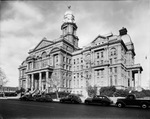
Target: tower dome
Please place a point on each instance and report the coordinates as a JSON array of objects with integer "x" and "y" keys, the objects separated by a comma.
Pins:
[
  {"x": 69, "y": 12},
  {"x": 68, "y": 16}
]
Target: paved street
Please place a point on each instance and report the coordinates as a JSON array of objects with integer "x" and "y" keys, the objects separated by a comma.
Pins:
[{"x": 28, "y": 110}]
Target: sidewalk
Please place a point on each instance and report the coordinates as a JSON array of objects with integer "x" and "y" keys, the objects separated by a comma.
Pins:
[{"x": 5, "y": 98}]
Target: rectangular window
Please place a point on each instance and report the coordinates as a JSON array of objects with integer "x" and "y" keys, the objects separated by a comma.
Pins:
[
  {"x": 81, "y": 74},
  {"x": 77, "y": 75},
  {"x": 81, "y": 60},
  {"x": 77, "y": 67},
  {"x": 110, "y": 69},
  {"x": 77, "y": 60},
  {"x": 115, "y": 59},
  {"x": 69, "y": 67},
  {"x": 110, "y": 60},
  {"x": 101, "y": 61},
  {"x": 81, "y": 66},
  {"x": 111, "y": 53},
  {"x": 114, "y": 52},
  {"x": 97, "y": 55},
  {"x": 63, "y": 66},
  {"x": 97, "y": 62},
  {"x": 115, "y": 69},
  {"x": 128, "y": 82},
  {"x": 86, "y": 65},
  {"x": 56, "y": 58},
  {"x": 74, "y": 61},
  {"x": 67, "y": 60},
  {"x": 29, "y": 65},
  {"x": 97, "y": 72},
  {"x": 102, "y": 55},
  {"x": 111, "y": 83}
]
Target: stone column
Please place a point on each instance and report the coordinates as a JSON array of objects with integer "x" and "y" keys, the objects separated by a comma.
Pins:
[
  {"x": 47, "y": 76},
  {"x": 139, "y": 78},
  {"x": 131, "y": 79},
  {"x": 59, "y": 60},
  {"x": 32, "y": 82},
  {"x": 40, "y": 79},
  {"x": 27, "y": 77},
  {"x": 32, "y": 65}
]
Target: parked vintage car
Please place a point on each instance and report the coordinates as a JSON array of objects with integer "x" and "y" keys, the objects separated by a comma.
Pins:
[
  {"x": 98, "y": 99},
  {"x": 44, "y": 98},
  {"x": 71, "y": 98},
  {"x": 29, "y": 97},
  {"x": 131, "y": 100}
]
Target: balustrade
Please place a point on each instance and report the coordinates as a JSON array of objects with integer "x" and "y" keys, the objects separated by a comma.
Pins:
[{"x": 40, "y": 64}]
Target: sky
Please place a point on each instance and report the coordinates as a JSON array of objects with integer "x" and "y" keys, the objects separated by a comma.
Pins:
[{"x": 23, "y": 24}]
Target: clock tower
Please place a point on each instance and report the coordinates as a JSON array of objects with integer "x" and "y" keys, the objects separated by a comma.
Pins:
[{"x": 69, "y": 27}]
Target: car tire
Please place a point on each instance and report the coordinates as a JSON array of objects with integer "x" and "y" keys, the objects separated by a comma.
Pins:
[
  {"x": 120, "y": 105},
  {"x": 144, "y": 106}
]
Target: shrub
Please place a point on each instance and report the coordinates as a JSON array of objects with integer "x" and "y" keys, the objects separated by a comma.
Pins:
[
  {"x": 112, "y": 91},
  {"x": 60, "y": 94},
  {"x": 146, "y": 92},
  {"x": 141, "y": 94},
  {"x": 91, "y": 91},
  {"x": 21, "y": 90},
  {"x": 63, "y": 94},
  {"x": 121, "y": 93},
  {"x": 10, "y": 94},
  {"x": 138, "y": 94},
  {"x": 109, "y": 91}
]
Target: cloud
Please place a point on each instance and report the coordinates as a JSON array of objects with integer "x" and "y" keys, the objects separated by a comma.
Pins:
[
  {"x": 24, "y": 24},
  {"x": 24, "y": 17},
  {"x": 16, "y": 36}
]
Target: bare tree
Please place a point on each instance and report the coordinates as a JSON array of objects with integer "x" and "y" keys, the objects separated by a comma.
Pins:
[
  {"x": 54, "y": 83},
  {"x": 3, "y": 80},
  {"x": 88, "y": 72}
]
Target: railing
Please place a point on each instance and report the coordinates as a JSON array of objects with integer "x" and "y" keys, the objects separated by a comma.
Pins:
[
  {"x": 40, "y": 67},
  {"x": 105, "y": 62}
]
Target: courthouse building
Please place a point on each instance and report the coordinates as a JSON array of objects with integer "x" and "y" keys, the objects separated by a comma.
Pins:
[{"x": 107, "y": 61}]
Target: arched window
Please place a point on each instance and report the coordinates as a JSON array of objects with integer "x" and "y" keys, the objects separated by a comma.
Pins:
[
  {"x": 43, "y": 55},
  {"x": 113, "y": 52}
]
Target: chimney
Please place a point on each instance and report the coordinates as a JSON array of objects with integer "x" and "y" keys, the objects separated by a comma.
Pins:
[{"x": 123, "y": 31}]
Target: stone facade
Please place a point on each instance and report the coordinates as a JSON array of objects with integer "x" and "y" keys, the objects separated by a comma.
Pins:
[{"x": 107, "y": 61}]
